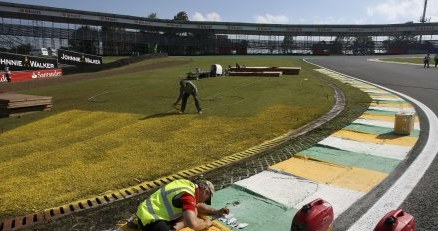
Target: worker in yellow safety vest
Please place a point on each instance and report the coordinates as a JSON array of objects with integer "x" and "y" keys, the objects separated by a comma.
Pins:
[{"x": 177, "y": 205}]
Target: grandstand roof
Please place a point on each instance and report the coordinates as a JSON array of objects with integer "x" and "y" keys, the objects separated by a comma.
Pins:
[{"x": 61, "y": 15}]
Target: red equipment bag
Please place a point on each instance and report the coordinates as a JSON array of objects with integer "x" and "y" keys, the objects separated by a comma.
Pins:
[
  {"x": 314, "y": 216},
  {"x": 396, "y": 220}
]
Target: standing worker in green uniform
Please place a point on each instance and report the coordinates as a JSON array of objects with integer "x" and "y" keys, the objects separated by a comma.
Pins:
[
  {"x": 426, "y": 60},
  {"x": 186, "y": 89}
]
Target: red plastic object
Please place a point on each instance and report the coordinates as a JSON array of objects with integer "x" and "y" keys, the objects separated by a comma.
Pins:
[
  {"x": 396, "y": 220},
  {"x": 314, "y": 216}
]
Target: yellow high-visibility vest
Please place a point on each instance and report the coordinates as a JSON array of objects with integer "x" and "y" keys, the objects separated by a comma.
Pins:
[{"x": 159, "y": 205}]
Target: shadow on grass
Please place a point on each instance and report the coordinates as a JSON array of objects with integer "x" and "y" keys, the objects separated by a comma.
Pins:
[{"x": 159, "y": 115}]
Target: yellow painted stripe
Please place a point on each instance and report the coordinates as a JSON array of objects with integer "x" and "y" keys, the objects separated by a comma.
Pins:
[
  {"x": 378, "y": 90},
  {"x": 217, "y": 226},
  {"x": 382, "y": 117},
  {"x": 384, "y": 96},
  {"x": 390, "y": 104},
  {"x": 377, "y": 139},
  {"x": 347, "y": 177}
]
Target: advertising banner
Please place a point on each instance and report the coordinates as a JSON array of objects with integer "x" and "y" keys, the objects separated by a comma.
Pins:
[
  {"x": 17, "y": 62},
  {"x": 18, "y": 76},
  {"x": 76, "y": 58}
]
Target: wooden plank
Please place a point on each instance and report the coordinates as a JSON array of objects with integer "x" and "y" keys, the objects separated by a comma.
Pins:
[
  {"x": 11, "y": 97},
  {"x": 266, "y": 73},
  {"x": 285, "y": 70},
  {"x": 27, "y": 104},
  {"x": 20, "y": 104}
]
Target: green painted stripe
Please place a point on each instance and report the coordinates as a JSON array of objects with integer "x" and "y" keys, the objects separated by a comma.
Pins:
[
  {"x": 249, "y": 207},
  {"x": 389, "y": 101},
  {"x": 378, "y": 112},
  {"x": 353, "y": 159},
  {"x": 375, "y": 129}
]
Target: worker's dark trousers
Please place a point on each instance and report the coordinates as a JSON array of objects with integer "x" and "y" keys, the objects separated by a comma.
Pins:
[
  {"x": 195, "y": 97},
  {"x": 157, "y": 226}
]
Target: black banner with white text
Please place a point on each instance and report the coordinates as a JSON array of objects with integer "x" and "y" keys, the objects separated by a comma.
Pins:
[
  {"x": 17, "y": 62},
  {"x": 76, "y": 58}
]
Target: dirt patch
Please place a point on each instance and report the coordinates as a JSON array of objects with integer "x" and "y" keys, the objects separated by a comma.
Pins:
[{"x": 8, "y": 87}]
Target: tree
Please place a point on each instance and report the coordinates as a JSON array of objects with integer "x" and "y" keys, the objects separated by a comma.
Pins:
[
  {"x": 83, "y": 40},
  {"x": 23, "y": 48},
  {"x": 337, "y": 46},
  {"x": 152, "y": 16},
  {"x": 288, "y": 44},
  {"x": 324, "y": 48},
  {"x": 363, "y": 45},
  {"x": 400, "y": 43},
  {"x": 320, "y": 48},
  {"x": 181, "y": 16}
]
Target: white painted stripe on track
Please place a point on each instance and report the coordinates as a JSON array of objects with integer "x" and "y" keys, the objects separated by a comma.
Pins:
[
  {"x": 381, "y": 123},
  {"x": 398, "y": 192},
  {"x": 294, "y": 192},
  {"x": 340, "y": 198},
  {"x": 394, "y": 109},
  {"x": 282, "y": 188},
  {"x": 374, "y": 91},
  {"x": 387, "y": 99},
  {"x": 383, "y": 150},
  {"x": 404, "y": 63}
]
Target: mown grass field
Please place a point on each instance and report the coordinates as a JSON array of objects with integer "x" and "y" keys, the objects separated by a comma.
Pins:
[{"x": 109, "y": 133}]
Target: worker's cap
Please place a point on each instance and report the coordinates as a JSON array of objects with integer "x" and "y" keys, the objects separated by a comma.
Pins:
[{"x": 207, "y": 184}]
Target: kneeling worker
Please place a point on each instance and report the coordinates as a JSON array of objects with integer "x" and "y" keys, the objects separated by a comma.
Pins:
[{"x": 177, "y": 205}]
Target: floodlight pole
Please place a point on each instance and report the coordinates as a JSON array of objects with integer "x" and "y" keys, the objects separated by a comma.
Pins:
[{"x": 423, "y": 18}]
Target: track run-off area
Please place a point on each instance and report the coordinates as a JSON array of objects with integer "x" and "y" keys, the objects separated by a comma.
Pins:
[
  {"x": 406, "y": 187},
  {"x": 363, "y": 170}
]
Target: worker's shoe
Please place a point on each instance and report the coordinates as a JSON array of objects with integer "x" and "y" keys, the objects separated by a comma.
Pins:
[
  {"x": 132, "y": 225},
  {"x": 199, "y": 112},
  {"x": 131, "y": 222},
  {"x": 180, "y": 112}
]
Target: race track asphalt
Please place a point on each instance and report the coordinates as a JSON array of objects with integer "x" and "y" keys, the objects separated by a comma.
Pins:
[{"x": 422, "y": 85}]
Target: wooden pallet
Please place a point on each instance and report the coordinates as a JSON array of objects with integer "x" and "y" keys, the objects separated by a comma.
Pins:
[{"x": 19, "y": 104}]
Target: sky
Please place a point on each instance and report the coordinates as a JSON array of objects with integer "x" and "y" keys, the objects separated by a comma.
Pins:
[{"x": 262, "y": 11}]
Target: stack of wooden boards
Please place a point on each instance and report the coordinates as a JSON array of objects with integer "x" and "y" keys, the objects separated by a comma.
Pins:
[
  {"x": 18, "y": 104},
  {"x": 264, "y": 71}
]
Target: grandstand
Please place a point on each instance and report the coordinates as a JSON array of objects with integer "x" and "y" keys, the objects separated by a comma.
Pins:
[{"x": 28, "y": 26}]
